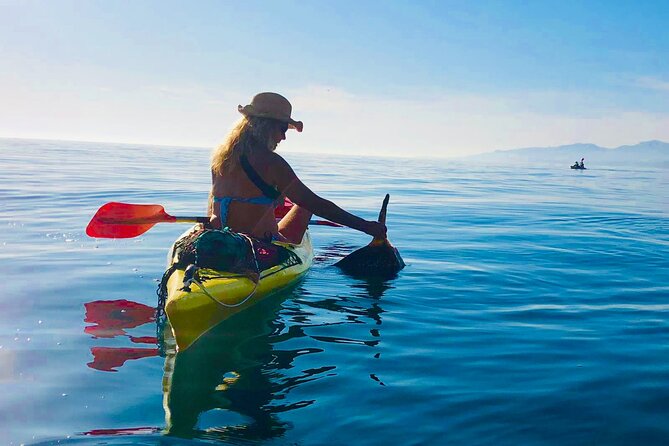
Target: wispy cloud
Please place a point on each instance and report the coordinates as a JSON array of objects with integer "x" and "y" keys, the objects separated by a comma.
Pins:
[
  {"x": 188, "y": 92},
  {"x": 455, "y": 123},
  {"x": 653, "y": 83}
]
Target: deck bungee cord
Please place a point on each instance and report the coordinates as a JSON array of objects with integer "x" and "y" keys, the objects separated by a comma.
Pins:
[
  {"x": 191, "y": 276},
  {"x": 213, "y": 274},
  {"x": 214, "y": 250}
]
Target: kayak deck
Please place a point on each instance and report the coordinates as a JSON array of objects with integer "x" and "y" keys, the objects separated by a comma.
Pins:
[{"x": 222, "y": 294}]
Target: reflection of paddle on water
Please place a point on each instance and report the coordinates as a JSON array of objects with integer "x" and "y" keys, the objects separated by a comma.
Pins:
[
  {"x": 107, "y": 359},
  {"x": 378, "y": 259},
  {"x": 111, "y": 319}
]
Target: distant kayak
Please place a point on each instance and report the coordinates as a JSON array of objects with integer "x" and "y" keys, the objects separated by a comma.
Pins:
[{"x": 579, "y": 167}]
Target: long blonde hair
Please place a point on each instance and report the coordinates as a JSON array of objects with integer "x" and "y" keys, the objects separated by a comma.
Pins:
[{"x": 248, "y": 134}]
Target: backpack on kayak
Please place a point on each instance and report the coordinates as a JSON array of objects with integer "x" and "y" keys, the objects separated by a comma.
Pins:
[
  {"x": 222, "y": 250},
  {"x": 206, "y": 254}
]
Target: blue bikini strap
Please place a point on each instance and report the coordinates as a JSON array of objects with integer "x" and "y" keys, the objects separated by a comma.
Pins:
[{"x": 225, "y": 204}]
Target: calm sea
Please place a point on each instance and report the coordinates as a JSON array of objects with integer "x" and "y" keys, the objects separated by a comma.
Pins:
[{"x": 534, "y": 309}]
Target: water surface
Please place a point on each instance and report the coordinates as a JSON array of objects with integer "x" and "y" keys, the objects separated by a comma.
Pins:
[{"x": 533, "y": 309}]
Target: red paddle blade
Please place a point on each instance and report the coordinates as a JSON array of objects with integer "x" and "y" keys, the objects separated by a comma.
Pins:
[{"x": 124, "y": 220}]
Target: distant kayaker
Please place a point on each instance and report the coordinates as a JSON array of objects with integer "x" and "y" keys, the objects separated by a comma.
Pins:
[
  {"x": 582, "y": 166},
  {"x": 249, "y": 179}
]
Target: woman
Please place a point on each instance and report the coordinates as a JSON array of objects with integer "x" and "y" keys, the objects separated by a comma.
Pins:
[{"x": 249, "y": 179}]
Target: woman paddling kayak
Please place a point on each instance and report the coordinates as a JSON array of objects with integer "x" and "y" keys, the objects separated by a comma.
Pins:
[{"x": 249, "y": 179}]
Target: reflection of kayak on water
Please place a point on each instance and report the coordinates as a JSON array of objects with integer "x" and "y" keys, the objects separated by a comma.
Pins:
[{"x": 230, "y": 370}]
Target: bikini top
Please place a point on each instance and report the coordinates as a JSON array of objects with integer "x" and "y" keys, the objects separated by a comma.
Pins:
[{"x": 269, "y": 198}]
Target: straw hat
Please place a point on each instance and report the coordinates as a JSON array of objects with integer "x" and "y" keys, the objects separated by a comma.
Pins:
[{"x": 271, "y": 105}]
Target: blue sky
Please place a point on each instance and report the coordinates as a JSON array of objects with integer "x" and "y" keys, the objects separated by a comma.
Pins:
[{"x": 417, "y": 78}]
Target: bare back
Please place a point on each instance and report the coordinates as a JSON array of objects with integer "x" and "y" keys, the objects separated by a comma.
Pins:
[{"x": 254, "y": 219}]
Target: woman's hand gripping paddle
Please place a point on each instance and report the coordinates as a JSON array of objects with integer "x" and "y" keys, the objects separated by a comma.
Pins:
[
  {"x": 378, "y": 259},
  {"x": 125, "y": 220}
]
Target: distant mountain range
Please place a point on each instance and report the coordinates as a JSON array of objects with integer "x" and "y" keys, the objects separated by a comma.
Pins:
[{"x": 645, "y": 153}]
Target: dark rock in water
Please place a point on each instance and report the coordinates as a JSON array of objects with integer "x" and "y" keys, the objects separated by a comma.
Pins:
[{"x": 378, "y": 259}]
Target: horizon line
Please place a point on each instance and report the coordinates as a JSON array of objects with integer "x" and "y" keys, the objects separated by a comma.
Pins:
[
  {"x": 366, "y": 155},
  {"x": 333, "y": 153}
]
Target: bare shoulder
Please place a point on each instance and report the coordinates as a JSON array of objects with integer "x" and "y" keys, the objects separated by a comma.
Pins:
[{"x": 279, "y": 165}]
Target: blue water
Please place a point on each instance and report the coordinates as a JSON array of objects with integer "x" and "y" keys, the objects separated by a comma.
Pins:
[{"x": 534, "y": 309}]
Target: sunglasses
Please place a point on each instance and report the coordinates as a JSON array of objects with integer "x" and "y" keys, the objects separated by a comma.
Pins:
[{"x": 283, "y": 127}]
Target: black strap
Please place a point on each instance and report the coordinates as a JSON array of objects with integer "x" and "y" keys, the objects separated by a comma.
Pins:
[{"x": 267, "y": 190}]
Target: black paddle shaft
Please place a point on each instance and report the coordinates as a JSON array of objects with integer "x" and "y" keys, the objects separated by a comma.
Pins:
[{"x": 384, "y": 209}]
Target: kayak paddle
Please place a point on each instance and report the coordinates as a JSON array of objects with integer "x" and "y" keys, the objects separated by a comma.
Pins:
[
  {"x": 125, "y": 220},
  {"x": 379, "y": 259}
]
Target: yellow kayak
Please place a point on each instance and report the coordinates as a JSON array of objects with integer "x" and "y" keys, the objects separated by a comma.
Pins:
[{"x": 193, "y": 307}]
